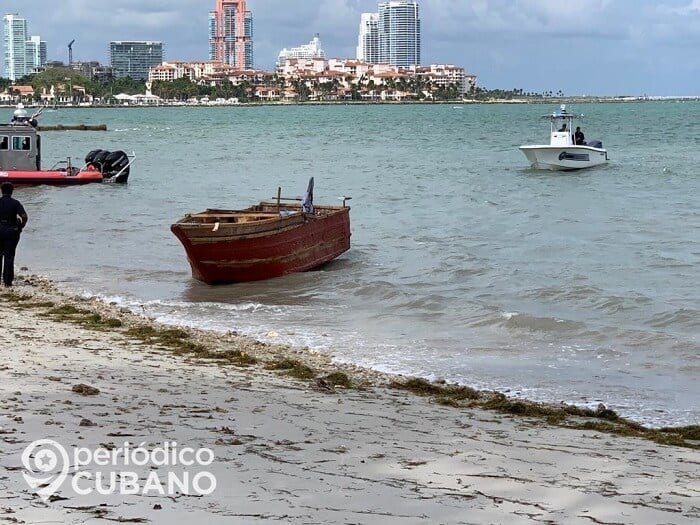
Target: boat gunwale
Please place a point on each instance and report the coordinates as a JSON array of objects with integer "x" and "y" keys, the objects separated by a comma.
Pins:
[
  {"x": 227, "y": 217},
  {"x": 550, "y": 146}
]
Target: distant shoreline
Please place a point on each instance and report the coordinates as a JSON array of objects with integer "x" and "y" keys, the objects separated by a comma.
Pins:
[{"x": 549, "y": 101}]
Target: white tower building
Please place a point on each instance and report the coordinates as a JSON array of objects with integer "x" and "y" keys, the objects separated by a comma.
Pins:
[
  {"x": 23, "y": 55},
  {"x": 15, "y": 46},
  {"x": 368, "y": 39},
  {"x": 399, "y": 33},
  {"x": 311, "y": 50}
]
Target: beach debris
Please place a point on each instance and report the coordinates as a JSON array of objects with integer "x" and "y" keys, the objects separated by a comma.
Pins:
[
  {"x": 604, "y": 412},
  {"x": 85, "y": 390},
  {"x": 228, "y": 441},
  {"x": 293, "y": 368},
  {"x": 87, "y": 423},
  {"x": 339, "y": 379},
  {"x": 341, "y": 449},
  {"x": 321, "y": 385},
  {"x": 412, "y": 463}
]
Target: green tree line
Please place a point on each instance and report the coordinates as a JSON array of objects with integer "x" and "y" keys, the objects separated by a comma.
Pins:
[{"x": 184, "y": 89}]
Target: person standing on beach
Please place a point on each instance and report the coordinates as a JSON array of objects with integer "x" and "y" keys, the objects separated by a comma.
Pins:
[{"x": 12, "y": 219}]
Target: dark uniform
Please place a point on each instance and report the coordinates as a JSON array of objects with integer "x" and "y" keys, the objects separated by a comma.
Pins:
[{"x": 12, "y": 220}]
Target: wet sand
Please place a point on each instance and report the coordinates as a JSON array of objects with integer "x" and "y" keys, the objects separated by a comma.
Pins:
[{"x": 290, "y": 450}]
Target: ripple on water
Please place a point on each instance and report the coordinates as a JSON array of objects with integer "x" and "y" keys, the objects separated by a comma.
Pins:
[{"x": 596, "y": 269}]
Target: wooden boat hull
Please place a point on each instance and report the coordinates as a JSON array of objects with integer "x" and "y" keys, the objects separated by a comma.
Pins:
[{"x": 261, "y": 243}]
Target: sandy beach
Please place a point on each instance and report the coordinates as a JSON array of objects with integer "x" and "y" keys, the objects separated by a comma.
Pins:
[{"x": 290, "y": 443}]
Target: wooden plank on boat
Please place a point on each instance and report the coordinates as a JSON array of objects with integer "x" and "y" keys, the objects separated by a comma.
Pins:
[{"x": 236, "y": 214}]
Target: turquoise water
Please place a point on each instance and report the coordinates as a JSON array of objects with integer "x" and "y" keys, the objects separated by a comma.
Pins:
[{"x": 465, "y": 264}]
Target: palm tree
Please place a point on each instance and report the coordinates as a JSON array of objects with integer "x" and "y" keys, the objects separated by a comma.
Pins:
[
  {"x": 301, "y": 88},
  {"x": 370, "y": 88}
]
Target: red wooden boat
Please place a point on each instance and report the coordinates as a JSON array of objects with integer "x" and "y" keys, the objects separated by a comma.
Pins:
[
  {"x": 20, "y": 158},
  {"x": 267, "y": 240}
]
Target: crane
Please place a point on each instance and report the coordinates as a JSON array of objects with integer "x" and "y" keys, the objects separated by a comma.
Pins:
[{"x": 70, "y": 52}]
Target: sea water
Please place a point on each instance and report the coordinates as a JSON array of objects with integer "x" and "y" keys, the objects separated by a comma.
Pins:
[{"x": 464, "y": 265}]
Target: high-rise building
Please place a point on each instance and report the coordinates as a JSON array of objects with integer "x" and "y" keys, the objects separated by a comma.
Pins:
[
  {"x": 15, "y": 46},
  {"x": 231, "y": 34},
  {"x": 368, "y": 39},
  {"x": 135, "y": 58},
  {"x": 311, "y": 50},
  {"x": 36, "y": 53},
  {"x": 399, "y": 33}
]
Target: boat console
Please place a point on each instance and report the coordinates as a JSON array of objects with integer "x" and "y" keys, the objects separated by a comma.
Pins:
[{"x": 20, "y": 147}]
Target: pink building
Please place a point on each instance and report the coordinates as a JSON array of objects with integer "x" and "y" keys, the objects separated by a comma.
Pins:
[{"x": 231, "y": 34}]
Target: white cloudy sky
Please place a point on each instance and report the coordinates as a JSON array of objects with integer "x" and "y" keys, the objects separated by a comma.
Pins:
[{"x": 604, "y": 47}]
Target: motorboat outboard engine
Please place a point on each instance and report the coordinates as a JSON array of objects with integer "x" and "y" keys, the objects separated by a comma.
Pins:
[{"x": 113, "y": 165}]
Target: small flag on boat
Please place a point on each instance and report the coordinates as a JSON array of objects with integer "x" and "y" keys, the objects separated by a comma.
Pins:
[{"x": 307, "y": 205}]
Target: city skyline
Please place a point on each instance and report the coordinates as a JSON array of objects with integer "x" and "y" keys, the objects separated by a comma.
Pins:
[{"x": 590, "y": 47}]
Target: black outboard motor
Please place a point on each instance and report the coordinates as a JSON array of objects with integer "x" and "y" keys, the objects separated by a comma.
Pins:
[
  {"x": 96, "y": 157},
  {"x": 595, "y": 144},
  {"x": 116, "y": 165},
  {"x": 90, "y": 157},
  {"x": 100, "y": 158}
]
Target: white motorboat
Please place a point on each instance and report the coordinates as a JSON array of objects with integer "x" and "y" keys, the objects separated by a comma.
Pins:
[{"x": 562, "y": 152}]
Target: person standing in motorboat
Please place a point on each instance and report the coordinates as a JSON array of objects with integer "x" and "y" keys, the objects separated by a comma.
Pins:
[
  {"x": 20, "y": 116},
  {"x": 579, "y": 137},
  {"x": 13, "y": 218}
]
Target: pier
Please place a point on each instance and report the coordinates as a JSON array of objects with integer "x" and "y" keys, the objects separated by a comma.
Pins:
[{"x": 73, "y": 127}]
